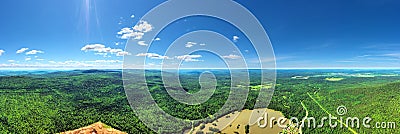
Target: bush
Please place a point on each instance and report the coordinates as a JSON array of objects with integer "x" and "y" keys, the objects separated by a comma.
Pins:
[
  {"x": 202, "y": 126},
  {"x": 199, "y": 132},
  {"x": 213, "y": 129}
]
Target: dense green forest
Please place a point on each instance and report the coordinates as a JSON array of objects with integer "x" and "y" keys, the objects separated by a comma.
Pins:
[{"x": 66, "y": 100}]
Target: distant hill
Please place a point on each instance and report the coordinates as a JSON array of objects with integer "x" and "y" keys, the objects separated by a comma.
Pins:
[
  {"x": 96, "y": 128},
  {"x": 98, "y": 71}
]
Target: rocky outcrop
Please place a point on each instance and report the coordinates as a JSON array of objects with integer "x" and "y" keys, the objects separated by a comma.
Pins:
[{"x": 96, "y": 128}]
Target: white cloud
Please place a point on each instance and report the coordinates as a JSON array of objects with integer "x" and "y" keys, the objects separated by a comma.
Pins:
[
  {"x": 103, "y": 50},
  {"x": 1, "y": 52},
  {"x": 100, "y": 49},
  {"x": 143, "y": 26},
  {"x": 28, "y": 59},
  {"x": 202, "y": 44},
  {"x": 134, "y": 35},
  {"x": 11, "y": 61},
  {"x": 132, "y": 16},
  {"x": 127, "y": 33},
  {"x": 189, "y": 58},
  {"x": 123, "y": 53},
  {"x": 32, "y": 52},
  {"x": 190, "y": 44},
  {"x": 125, "y": 30},
  {"x": 144, "y": 54},
  {"x": 136, "y": 32},
  {"x": 235, "y": 38},
  {"x": 40, "y": 59},
  {"x": 152, "y": 56},
  {"x": 157, "y": 39},
  {"x": 93, "y": 47},
  {"x": 112, "y": 50},
  {"x": 142, "y": 43},
  {"x": 22, "y": 50},
  {"x": 232, "y": 56}
]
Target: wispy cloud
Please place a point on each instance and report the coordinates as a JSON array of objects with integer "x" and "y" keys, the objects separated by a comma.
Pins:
[
  {"x": 93, "y": 47},
  {"x": 142, "y": 43},
  {"x": 110, "y": 64},
  {"x": 378, "y": 55},
  {"x": 123, "y": 53},
  {"x": 152, "y": 56},
  {"x": 346, "y": 61},
  {"x": 186, "y": 58},
  {"x": 22, "y": 50},
  {"x": 102, "y": 54},
  {"x": 2, "y": 52},
  {"x": 33, "y": 52},
  {"x": 190, "y": 44},
  {"x": 272, "y": 59},
  {"x": 317, "y": 47},
  {"x": 393, "y": 55},
  {"x": 383, "y": 46},
  {"x": 232, "y": 56},
  {"x": 388, "y": 57},
  {"x": 101, "y": 49},
  {"x": 189, "y": 58}
]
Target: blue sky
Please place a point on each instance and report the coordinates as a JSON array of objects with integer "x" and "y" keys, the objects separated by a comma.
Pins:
[{"x": 304, "y": 34}]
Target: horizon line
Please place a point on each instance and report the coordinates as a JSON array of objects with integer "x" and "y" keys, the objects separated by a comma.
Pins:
[{"x": 308, "y": 68}]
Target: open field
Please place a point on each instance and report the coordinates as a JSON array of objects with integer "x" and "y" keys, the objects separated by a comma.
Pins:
[
  {"x": 238, "y": 125},
  {"x": 334, "y": 79}
]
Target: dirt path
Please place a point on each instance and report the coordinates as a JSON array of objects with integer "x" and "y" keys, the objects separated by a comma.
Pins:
[
  {"x": 326, "y": 111},
  {"x": 305, "y": 117}
]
